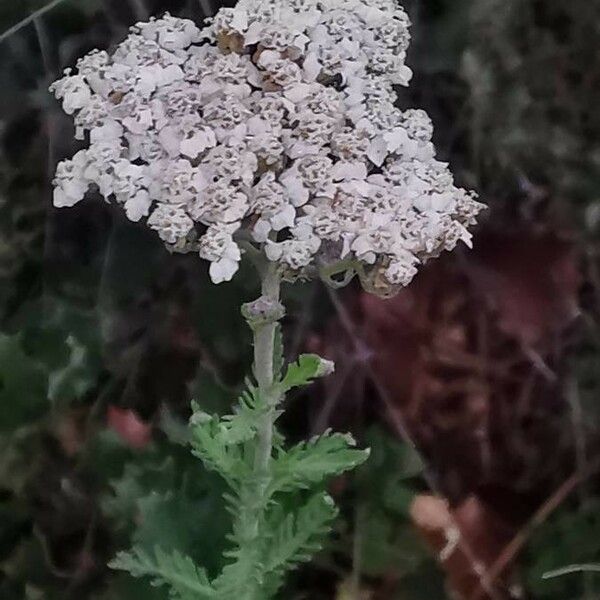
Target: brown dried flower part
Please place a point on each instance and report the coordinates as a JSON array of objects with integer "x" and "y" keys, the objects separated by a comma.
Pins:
[
  {"x": 230, "y": 41},
  {"x": 374, "y": 281},
  {"x": 116, "y": 97}
]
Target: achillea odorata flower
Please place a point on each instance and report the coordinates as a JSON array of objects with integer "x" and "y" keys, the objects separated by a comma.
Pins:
[{"x": 276, "y": 124}]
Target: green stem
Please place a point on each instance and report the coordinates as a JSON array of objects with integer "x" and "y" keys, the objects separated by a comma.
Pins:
[
  {"x": 264, "y": 346},
  {"x": 264, "y": 341},
  {"x": 264, "y": 334}
]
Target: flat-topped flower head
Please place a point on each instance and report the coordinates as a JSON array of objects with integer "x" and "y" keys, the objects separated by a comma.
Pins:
[{"x": 275, "y": 126}]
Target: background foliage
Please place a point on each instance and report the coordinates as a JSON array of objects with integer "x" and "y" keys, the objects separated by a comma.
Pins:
[{"x": 488, "y": 364}]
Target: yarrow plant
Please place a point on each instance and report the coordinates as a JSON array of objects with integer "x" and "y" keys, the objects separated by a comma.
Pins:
[{"x": 271, "y": 132}]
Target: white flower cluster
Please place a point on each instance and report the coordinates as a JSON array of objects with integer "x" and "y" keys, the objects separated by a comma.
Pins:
[{"x": 276, "y": 124}]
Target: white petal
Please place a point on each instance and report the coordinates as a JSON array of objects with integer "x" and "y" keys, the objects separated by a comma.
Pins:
[
  {"x": 238, "y": 133},
  {"x": 424, "y": 152},
  {"x": 138, "y": 206},
  {"x": 233, "y": 252},
  {"x": 443, "y": 202},
  {"x": 108, "y": 132},
  {"x": 297, "y": 92},
  {"x": 253, "y": 76},
  {"x": 329, "y": 190},
  {"x": 362, "y": 187},
  {"x": 377, "y": 179},
  {"x": 223, "y": 270},
  {"x": 311, "y": 67},
  {"x": 254, "y": 33},
  {"x": 209, "y": 86},
  {"x": 148, "y": 78},
  {"x": 261, "y": 230},
  {"x": 284, "y": 219},
  {"x": 257, "y": 125},
  {"x": 76, "y": 99},
  {"x": 422, "y": 203},
  {"x": 169, "y": 139},
  {"x": 199, "y": 142},
  {"x": 140, "y": 123},
  {"x": 240, "y": 20},
  {"x": 320, "y": 36},
  {"x": 62, "y": 200},
  {"x": 466, "y": 236},
  {"x": 396, "y": 139},
  {"x": 273, "y": 251},
  {"x": 377, "y": 151},
  {"x": 297, "y": 193},
  {"x": 302, "y": 149},
  {"x": 300, "y": 41},
  {"x": 268, "y": 57},
  {"x": 346, "y": 170},
  {"x": 403, "y": 76}
]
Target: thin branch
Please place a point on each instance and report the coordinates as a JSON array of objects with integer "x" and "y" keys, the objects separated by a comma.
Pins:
[
  {"x": 579, "y": 435},
  {"x": 51, "y": 127},
  {"x": 32, "y": 17},
  {"x": 140, "y": 9},
  {"x": 545, "y": 510},
  {"x": 571, "y": 569},
  {"x": 206, "y": 7},
  {"x": 578, "y": 427},
  {"x": 359, "y": 519}
]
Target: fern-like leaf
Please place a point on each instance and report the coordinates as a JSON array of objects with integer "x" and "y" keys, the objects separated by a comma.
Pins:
[
  {"x": 309, "y": 463},
  {"x": 219, "y": 442},
  {"x": 179, "y": 572},
  {"x": 302, "y": 372},
  {"x": 241, "y": 426},
  {"x": 240, "y": 577},
  {"x": 296, "y": 537},
  {"x": 210, "y": 445}
]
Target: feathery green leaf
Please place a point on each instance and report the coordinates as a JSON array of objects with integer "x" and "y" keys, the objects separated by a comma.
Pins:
[
  {"x": 302, "y": 372},
  {"x": 218, "y": 442},
  {"x": 295, "y": 537},
  {"x": 309, "y": 463},
  {"x": 186, "y": 580}
]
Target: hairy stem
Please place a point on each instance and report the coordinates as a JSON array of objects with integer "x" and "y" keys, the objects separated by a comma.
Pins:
[
  {"x": 264, "y": 340},
  {"x": 262, "y": 316}
]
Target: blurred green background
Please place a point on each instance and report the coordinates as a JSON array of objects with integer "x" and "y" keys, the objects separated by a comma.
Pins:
[{"x": 477, "y": 387}]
